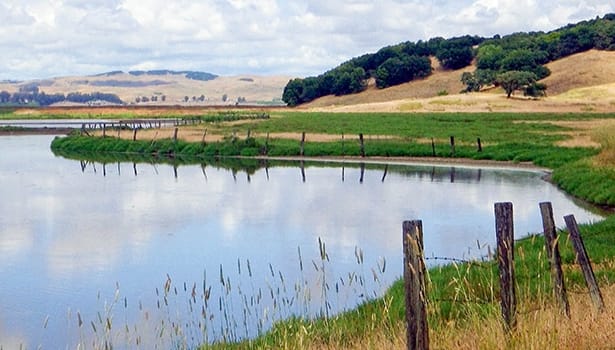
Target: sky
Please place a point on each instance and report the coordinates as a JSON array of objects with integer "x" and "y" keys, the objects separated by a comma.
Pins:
[{"x": 49, "y": 38}]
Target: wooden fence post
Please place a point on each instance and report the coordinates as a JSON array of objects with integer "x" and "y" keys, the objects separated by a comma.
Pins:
[
  {"x": 134, "y": 134},
  {"x": 478, "y": 143},
  {"x": 555, "y": 260},
  {"x": 583, "y": 261},
  {"x": 362, "y": 145},
  {"x": 301, "y": 149},
  {"x": 452, "y": 146},
  {"x": 267, "y": 145},
  {"x": 417, "y": 329},
  {"x": 433, "y": 147},
  {"x": 506, "y": 258},
  {"x": 175, "y": 136}
]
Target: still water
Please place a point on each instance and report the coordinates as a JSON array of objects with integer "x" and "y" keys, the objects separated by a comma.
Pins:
[{"x": 137, "y": 254}]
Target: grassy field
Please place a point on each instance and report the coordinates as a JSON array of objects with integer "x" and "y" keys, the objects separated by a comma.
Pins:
[{"x": 463, "y": 297}]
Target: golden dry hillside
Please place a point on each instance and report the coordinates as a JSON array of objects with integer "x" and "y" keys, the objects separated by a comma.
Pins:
[
  {"x": 440, "y": 81},
  {"x": 578, "y": 83},
  {"x": 583, "y": 70}
]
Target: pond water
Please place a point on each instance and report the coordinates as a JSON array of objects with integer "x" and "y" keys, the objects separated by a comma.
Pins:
[{"x": 137, "y": 253}]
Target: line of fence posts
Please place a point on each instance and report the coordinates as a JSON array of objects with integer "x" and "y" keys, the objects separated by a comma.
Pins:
[
  {"x": 415, "y": 284},
  {"x": 362, "y": 153}
]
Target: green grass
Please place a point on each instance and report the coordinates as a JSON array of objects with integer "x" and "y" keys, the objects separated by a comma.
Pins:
[{"x": 585, "y": 180}]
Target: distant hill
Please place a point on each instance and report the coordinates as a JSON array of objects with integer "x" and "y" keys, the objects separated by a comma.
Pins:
[{"x": 168, "y": 87}]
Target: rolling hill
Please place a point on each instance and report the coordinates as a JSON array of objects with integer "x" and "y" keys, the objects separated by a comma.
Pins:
[
  {"x": 580, "y": 82},
  {"x": 174, "y": 86}
]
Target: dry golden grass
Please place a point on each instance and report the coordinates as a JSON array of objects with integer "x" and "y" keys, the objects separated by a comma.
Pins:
[
  {"x": 591, "y": 68},
  {"x": 606, "y": 137},
  {"x": 538, "y": 327},
  {"x": 587, "y": 133}
]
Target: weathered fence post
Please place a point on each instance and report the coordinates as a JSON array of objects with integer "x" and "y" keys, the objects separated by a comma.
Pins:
[
  {"x": 362, "y": 145},
  {"x": 478, "y": 143},
  {"x": 134, "y": 134},
  {"x": 452, "y": 146},
  {"x": 267, "y": 144},
  {"x": 104, "y": 129},
  {"x": 506, "y": 257},
  {"x": 417, "y": 329},
  {"x": 343, "y": 151},
  {"x": 301, "y": 149},
  {"x": 433, "y": 147},
  {"x": 175, "y": 136},
  {"x": 555, "y": 260},
  {"x": 583, "y": 261}
]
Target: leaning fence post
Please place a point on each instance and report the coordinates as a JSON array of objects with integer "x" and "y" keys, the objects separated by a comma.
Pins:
[
  {"x": 506, "y": 246},
  {"x": 583, "y": 261},
  {"x": 134, "y": 134},
  {"x": 555, "y": 260},
  {"x": 417, "y": 330}
]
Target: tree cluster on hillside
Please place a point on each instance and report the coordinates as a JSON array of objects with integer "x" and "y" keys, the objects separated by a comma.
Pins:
[
  {"x": 391, "y": 65},
  {"x": 528, "y": 52},
  {"x": 397, "y": 64},
  {"x": 194, "y": 75},
  {"x": 30, "y": 95}
]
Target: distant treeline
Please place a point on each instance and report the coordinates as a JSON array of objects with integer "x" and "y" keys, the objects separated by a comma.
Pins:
[
  {"x": 30, "y": 95},
  {"x": 397, "y": 64},
  {"x": 194, "y": 75}
]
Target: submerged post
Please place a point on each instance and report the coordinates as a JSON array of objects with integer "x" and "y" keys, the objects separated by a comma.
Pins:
[
  {"x": 417, "y": 328},
  {"x": 583, "y": 261},
  {"x": 555, "y": 260},
  {"x": 505, "y": 240}
]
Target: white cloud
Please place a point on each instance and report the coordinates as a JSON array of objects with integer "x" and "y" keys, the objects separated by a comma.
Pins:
[{"x": 43, "y": 38}]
